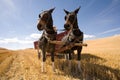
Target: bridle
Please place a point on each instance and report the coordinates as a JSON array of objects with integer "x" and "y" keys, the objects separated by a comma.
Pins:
[
  {"x": 71, "y": 25},
  {"x": 71, "y": 28},
  {"x": 45, "y": 26},
  {"x": 46, "y": 30}
]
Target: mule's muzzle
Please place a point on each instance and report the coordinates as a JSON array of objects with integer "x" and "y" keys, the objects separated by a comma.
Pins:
[
  {"x": 67, "y": 26},
  {"x": 39, "y": 27}
]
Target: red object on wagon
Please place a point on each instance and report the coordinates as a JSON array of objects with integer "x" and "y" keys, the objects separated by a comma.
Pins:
[
  {"x": 58, "y": 38},
  {"x": 35, "y": 44},
  {"x": 61, "y": 35}
]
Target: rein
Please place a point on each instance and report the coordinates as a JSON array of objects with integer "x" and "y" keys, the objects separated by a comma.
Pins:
[
  {"x": 47, "y": 30},
  {"x": 46, "y": 25},
  {"x": 76, "y": 37}
]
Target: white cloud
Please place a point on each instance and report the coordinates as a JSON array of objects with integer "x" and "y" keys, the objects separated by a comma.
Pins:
[
  {"x": 30, "y": 39},
  {"x": 11, "y": 40},
  {"x": 111, "y": 30},
  {"x": 116, "y": 35},
  {"x": 87, "y": 36},
  {"x": 15, "y": 43},
  {"x": 27, "y": 42},
  {"x": 18, "y": 43},
  {"x": 35, "y": 35},
  {"x": 14, "y": 40}
]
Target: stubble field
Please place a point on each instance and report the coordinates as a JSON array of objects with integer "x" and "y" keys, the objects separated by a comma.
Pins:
[{"x": 99, "y": 61}]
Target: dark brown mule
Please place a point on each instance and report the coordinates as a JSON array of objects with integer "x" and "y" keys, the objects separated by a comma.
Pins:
[
  {"x": 75, "y": 35},
  {"x": 45, "y": 23}
]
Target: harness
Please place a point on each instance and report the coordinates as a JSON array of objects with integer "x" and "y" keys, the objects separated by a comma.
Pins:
[
  {"x": 49, "y": 36},
  {"x": 72, "y": 36},
  {"x": 75, "y": 38},
  {"x": 48, "y": 33}
]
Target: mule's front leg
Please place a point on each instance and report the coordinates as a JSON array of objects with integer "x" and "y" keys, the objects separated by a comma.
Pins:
[
  {"x": 70, "y": 58},
  {"x": 52, "y": 59},
  {"x": 38, "y": 53},
  {"x": 79, "y": 66},
  {"x": 43, "y": 61},
  {"x": 79, "y": 58}
]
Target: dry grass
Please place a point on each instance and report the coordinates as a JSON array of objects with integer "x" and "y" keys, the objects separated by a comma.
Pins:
[
  {"x": 5, "y": 59},
  {"x": 100, "y": 61},
  {"x": 107, "y": 66}
]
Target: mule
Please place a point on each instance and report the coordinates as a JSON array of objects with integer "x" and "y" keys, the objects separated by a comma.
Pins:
[
  {"x": 45, "y": 23},
  {"x": 74, "y": 35}
]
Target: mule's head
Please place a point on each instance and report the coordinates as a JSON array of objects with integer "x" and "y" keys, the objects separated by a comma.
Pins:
[
  {"x": 70, "y": 18},
  {"x": 45, "y": 18}
]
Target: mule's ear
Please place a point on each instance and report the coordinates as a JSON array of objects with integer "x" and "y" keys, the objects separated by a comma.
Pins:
[
  {"x": 76, "y": 11},
  {"x": 67, "y": 12},
  {"x": 51, "y": 10}
]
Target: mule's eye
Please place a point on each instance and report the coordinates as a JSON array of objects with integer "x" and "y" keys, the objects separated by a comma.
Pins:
[
  {"x": 39, "y": 16},
  {"x": 65, "y": 17}
]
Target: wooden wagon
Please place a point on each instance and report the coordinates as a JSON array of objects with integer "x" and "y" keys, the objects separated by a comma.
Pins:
[{"x": 58, "y": 42}]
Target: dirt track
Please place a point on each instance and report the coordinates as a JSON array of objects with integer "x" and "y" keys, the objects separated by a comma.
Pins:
[{"x": 24, "y": 65}]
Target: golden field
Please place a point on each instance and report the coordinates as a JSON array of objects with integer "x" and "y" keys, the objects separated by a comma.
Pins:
[
  {"x": 105, "y": 57},
  {"x": 100, "y": 60}
]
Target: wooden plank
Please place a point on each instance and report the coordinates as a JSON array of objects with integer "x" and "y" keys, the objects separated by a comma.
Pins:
[
  {"x": 57, "y": 42},
  {"x": 80, "y": 44},
  {"x": 62, "y": 43},
  {"x": 59, "y": 50},
  {"x": 64, "y": 48}
]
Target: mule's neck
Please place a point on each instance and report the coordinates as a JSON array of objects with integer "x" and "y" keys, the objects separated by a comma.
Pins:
[
  {"x": 75, "y": 30},
  {"x": 50, "y": 23},
  {"x": 75, "y": 24},
  {"x": 49, "y": 27}
]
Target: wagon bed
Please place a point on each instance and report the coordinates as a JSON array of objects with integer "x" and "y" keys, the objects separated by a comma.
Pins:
[{"x": 58, "y": 40}]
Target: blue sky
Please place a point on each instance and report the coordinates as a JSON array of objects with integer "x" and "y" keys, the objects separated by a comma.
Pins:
[{"x": 18, "y": 19}]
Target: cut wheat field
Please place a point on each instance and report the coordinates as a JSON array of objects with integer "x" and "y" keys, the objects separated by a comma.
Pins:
[{"x": 100, "y": 60}]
